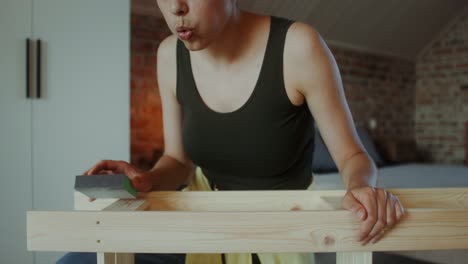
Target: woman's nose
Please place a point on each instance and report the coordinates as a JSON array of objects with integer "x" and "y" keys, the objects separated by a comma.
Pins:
[{"x": 179, "y": 7}]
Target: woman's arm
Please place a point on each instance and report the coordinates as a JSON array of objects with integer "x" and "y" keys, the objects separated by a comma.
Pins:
[
  {"x": 174, "y": 168},
  {"x": 312, "y": 73}
]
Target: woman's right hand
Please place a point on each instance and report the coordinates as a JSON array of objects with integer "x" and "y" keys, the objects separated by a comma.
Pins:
[{"x": 139, "y": 178}]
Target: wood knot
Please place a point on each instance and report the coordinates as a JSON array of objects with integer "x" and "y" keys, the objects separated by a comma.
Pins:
[
  {"x": 296, "y": 208},
  {"x": 328, "y": 240}
]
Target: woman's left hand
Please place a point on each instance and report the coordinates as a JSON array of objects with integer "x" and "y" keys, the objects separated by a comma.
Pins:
[{"x": 379, "y": 210}]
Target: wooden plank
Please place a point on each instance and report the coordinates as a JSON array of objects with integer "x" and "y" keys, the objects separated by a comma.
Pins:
[
  {"x": 122, "y": 205},
  {"x": 252, "y": 201},
  {"x": 276, "y": 200},
  {"x": 82, "y": 203},
  {"x": 261, "y": 201},
  {"x": 204, "y": 232},
  {"x": 354, "y": 258},
  {"x": 127, "y": 205},
  {"x": 443, "y": 198}
]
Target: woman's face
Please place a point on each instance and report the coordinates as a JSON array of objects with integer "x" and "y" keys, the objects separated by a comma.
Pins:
[{"x": 197, "y": 22}]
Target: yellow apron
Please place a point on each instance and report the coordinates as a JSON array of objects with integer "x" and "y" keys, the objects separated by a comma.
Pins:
[{"x": 201, "y": 183}]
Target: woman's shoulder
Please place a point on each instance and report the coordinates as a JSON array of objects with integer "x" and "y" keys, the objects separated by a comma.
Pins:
[
  {"x": 166, "y": 63},
  {"x": 304, "y": 45},
  {"x": 305, "y": 36},
  {"x": 307, "y": 57},
  {"x": 167, "y": 48}
]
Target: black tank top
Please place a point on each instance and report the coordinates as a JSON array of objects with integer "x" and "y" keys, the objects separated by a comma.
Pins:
[{"x": 267, "y": 144}]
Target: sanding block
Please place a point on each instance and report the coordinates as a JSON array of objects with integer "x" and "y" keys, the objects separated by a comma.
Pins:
[{"x": 105, "y": 186}]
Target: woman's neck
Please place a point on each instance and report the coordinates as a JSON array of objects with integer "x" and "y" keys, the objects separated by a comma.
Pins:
[{"x": 233, "y": 40}]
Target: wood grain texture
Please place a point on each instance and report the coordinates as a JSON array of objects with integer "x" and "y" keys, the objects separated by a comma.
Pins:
[
  {"x": 82, "y": 203},
  {"x": 203, "y": 232},
  {"x": 260, "y": 201},
  {"x": 127, "y": 205},
  {"x": 245, "y": 221}
]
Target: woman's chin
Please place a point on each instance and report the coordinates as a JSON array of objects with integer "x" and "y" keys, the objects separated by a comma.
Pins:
[{"x": 194, "y": 45}]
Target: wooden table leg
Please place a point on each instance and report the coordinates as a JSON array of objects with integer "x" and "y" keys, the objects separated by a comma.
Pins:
[
  {"x": 353, "y": 257},
  {"x": 115, "y": 258}
]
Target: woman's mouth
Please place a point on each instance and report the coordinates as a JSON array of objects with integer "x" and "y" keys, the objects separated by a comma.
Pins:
[{"x": 184, "y": 33}]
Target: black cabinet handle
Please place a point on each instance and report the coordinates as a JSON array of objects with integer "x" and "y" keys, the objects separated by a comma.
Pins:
[
  {"x": 28, "y": 81},
  {"x": 38, "y": 69}
]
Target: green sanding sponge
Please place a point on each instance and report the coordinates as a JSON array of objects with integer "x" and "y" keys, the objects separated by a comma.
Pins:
[{"x": 105, "y": 186}]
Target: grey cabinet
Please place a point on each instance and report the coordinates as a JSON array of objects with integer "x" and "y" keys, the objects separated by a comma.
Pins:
[{"x": 81, "y": 117}]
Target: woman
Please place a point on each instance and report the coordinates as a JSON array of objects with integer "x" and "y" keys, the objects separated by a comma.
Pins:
[{"x": 240, "y": 95}]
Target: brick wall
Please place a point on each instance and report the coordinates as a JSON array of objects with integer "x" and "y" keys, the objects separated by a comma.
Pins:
[
  {"x": 442, "y": 95},
  {"x": 380, "y": 88},
  {"x": 146, "y": 112}
]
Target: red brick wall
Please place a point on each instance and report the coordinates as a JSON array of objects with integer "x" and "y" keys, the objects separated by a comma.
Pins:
[
  {"x": 146, "y": 112},
  {"x": 441, "y": 101},
  {"x": 377, "y": 87},
  {"x": 381, "y": 88}
]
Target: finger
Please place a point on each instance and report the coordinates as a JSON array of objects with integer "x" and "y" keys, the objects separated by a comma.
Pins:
[
  {"x": 89, "y": 171},
  {"x": 86, "y": 173},
  {"x": 369, "y": 200},
  {"x": 106, "y": 165},
  {"x": 378, "y": 237},
  {"x": 102, "y": 165},
  {"x": 365, "y": 240},
  {"x": 95, "y": 167},
  {"x": 141, "y": 184},
  {"x": 351, "y": 204},
  {"x": 381, "y": 214},
  {"x": 391, "y": 214},
  {"x": 106, "y": 172},
  {"x": 399, "y": 209}
]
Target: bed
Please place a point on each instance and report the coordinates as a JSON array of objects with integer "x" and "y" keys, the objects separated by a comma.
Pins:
[
  {"x": 409, "y": 175},
  {"x": 391, "y": 175}
]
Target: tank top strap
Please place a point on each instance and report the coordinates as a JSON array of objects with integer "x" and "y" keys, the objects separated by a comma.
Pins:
[
  {"x": 185, "y": 86},
  {"x": 279, "y": 29},
  {"x": 272, "y": 89}
]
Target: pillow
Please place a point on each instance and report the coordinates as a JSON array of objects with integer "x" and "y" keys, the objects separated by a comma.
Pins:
[{"x": 323, "y": 162}]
